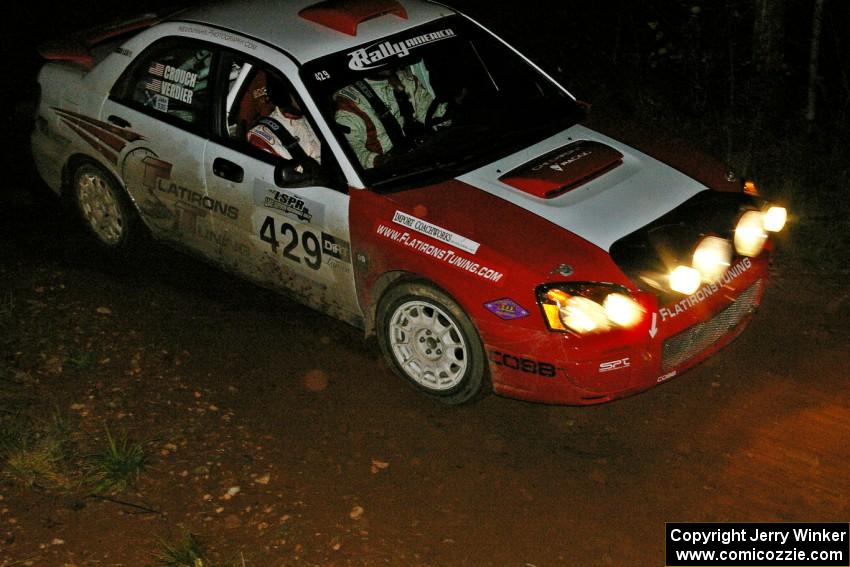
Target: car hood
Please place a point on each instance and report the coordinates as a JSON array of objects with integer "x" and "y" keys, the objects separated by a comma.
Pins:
[{"x": 587, "y": 183}]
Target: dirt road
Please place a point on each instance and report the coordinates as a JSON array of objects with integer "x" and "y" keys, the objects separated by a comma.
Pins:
[{"x": 277, "y": 436}]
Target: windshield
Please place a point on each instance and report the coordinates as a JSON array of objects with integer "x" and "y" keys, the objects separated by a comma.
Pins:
[{"x": 434, "y": 102}]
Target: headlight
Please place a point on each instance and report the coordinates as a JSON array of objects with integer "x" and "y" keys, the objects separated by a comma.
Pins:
[
  {"x": 588, "y": 308},
  {"x": 750, "y": 235},
  {"x": 712, "y": 257}
]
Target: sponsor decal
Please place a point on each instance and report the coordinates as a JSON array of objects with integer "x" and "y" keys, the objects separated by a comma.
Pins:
[
  {"x": 142, "y": 167},
  {"x": 526, "y": 365},
  {"x": 675, "y": 309},
  {"x": 435, "y": 232},
  {"x": 172, "y": 82},
  {"x": 160, "y": 103},
  {"x": 374, "y": 55},
  {"x": 123, "y": 51},
  {"x": 219, "y": 35},
  {"x": 613, "y": 365},
  {"x": 447, "y": 256},
  {"x": 197, "y": 199},
  {"x": 336, "y": 248},
  {"x": 223, "y": 240},
  {"x": 288, "y": 203},
  {"x": 506, "y": 309},
  {"x": 559, "y": 162},
  {"x": 665, "y": 377}
]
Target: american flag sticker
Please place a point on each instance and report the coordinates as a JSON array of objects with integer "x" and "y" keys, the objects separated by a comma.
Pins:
[
  {"x": 154, "y": 85},
  {"x": 157, "y": 69}
]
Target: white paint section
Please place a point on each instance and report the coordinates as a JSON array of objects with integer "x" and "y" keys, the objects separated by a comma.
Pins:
[{"x": 605, "y": 209}]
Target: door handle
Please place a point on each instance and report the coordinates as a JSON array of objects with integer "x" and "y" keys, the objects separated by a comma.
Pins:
[
  {"x": 118, "y": 121},
  {"x": 228, "y": 170}
]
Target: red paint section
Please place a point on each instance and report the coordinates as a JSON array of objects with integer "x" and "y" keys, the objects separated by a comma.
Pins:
[
  {"x": 77, "y": 48},
  {"x": 680, "y": 154},
  {"x": 107, "y": 138},
  {"x": 128, "y": 135},
  {"x": 563, "y": 169},
  {"x": 526, "y": 360},
  {"x": 345, "y": 15},
  {"x": 93, "y": 142}
]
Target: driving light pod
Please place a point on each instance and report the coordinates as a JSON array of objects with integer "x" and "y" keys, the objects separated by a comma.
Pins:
[
  {"x": 712, "y": 258},
  {"x": 750, "y": 234},
  {"x": 588, "y": 308},
  {"x": 685, "y": 280},
  {"x": 775, "y": 218}
]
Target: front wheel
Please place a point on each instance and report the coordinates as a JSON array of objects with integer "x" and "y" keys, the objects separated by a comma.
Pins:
[
  {"x": 430, "y": 341},
  {"x": 103, "y": 208}
]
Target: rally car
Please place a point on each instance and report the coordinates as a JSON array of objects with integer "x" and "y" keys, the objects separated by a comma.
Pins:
[{"x": 500, "y": 245}]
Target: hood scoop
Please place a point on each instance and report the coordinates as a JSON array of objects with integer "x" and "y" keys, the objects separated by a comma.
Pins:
[{"x": 563, "y": 169}]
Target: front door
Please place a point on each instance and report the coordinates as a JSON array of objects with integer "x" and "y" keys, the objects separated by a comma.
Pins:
[{"x": 292, "y": 236}]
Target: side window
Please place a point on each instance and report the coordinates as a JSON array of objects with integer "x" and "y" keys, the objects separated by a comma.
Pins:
[
  {"x": 263, "y": 112},
  {"x": 247, "y": 98},
  {"x": 170, "y": 80}
]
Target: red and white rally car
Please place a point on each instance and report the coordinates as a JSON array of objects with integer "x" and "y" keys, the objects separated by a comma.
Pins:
[{"x": 396, "y": 165}]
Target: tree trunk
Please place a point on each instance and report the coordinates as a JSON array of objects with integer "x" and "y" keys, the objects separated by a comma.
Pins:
[
  {"x": 769, "y": 76},
  {"x": 814, "y": 57}
]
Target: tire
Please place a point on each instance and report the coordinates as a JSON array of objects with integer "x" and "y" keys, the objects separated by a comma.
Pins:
[
  {"x": 104, "y": 209},
  {"x": 429, "y": 341}
]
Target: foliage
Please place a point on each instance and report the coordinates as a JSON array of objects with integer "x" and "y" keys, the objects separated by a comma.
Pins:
[
  {"x": 37, "y": 452},
  {"x": 117, "y": 466},
  {"x": 189, "y": 553}
]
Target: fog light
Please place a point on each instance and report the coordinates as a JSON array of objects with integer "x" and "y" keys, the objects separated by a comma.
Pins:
[
  {"x": 749, "y": 234},
  {"x": 774, "y": 219},
  {"x": 712, "y": 257},
  {"x": 685, "y": 280}
]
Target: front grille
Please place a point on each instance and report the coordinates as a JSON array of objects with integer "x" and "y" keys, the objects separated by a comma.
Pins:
[{"x": 693, "y": 340}]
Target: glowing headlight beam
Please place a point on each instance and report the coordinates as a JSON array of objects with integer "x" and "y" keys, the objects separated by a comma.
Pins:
[
  {"x": 584, "y": 315},
  {"x": 775, "y": 218},
  {"x": 712, "y": 258},
  {"x": 750, "y": 235},
  {"x": 622, "y": 310},
  {"x": 685, "y": 280},
  {"x": 608, "y": 309}
]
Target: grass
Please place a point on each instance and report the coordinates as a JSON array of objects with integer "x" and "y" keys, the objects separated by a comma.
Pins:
[
  {"x": 117, "y": 466},
  {"x": 81, "y": 360},
  {"x": 37, "y": 452},
  {"x": 7, "y": 306},
  {"x": 190, "y": 553}
]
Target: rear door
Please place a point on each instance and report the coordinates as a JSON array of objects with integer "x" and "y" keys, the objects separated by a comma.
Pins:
[{"x": 163, "y": 100}]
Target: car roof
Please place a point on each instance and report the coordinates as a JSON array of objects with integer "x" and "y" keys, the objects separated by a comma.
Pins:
[{"x": 280, "y": 23}]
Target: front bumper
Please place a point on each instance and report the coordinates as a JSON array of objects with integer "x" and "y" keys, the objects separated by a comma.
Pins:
[{"x": 565, "y": 369}]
